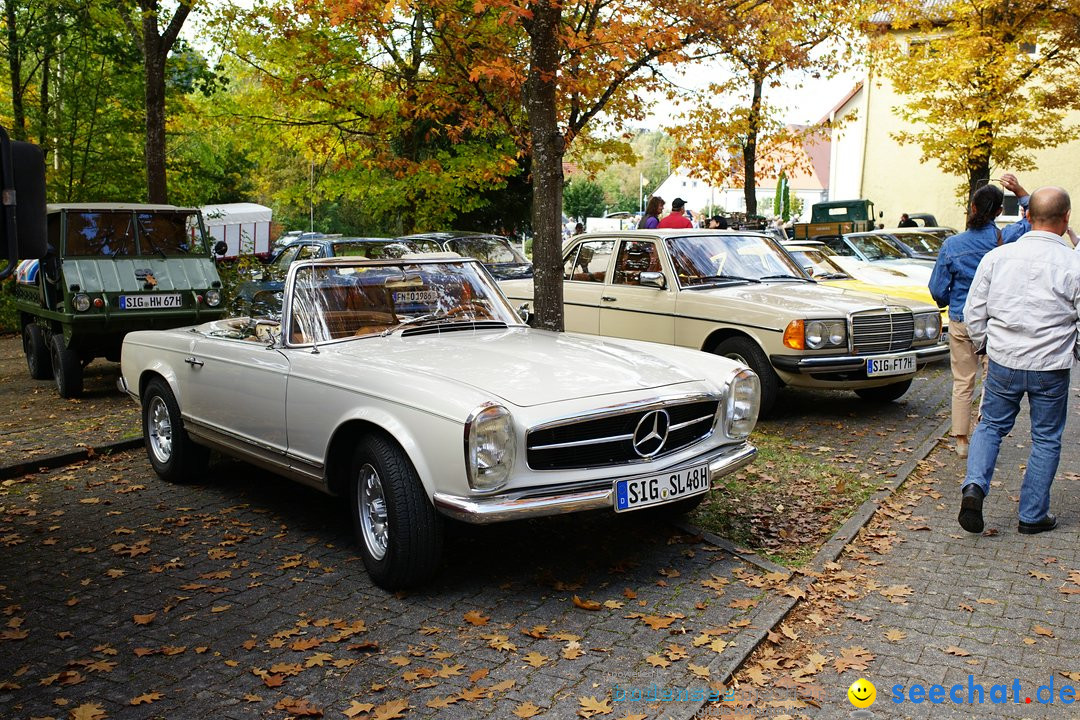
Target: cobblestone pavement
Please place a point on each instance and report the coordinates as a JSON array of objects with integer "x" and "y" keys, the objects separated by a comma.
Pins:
[
  {"x": 242, "y": 596},
  {"x": 35, "y": 422},
  {"x": 935, "y": 605}
]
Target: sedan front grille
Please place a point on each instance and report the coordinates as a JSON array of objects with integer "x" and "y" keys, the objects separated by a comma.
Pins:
[
  {"x": 882, "y": 331},
  {"x": 609, "y": 439}
]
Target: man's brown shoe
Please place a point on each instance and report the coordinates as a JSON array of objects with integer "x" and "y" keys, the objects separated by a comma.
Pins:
[
  {"x": 1047, "y": 523},
  {"x": 970, "y": 517}
]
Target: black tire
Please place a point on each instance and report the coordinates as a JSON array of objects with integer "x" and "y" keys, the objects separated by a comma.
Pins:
[
  {"x": 67, "y": 368},
  {"x": 746, "y": 351},
  {"x": 37, "y": 352},
  {"x": 172, "y": 453},
  {"x": 397, "y": 529},
  {"x": 885, "y": 393}
]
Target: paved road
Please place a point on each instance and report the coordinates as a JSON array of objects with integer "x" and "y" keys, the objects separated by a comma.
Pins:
[{"x": 242, "y": 594}]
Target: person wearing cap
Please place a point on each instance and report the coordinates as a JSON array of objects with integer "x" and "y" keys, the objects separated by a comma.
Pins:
[{"x": 676, "y": 218}]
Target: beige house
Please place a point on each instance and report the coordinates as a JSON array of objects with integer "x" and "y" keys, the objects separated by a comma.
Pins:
[{"x": 868, "y": 163}]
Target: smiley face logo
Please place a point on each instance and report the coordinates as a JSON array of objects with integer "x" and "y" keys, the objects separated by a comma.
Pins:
[{"x": 862, "y": 693}]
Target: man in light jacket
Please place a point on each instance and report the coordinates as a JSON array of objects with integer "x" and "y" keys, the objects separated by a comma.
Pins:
[{"x": 1023, "y": 310}]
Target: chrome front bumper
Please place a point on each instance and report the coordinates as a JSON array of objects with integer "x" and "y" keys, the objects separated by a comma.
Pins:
[
  {"x": 841, "y": 363},
  {"x": 556, "y": 500}
]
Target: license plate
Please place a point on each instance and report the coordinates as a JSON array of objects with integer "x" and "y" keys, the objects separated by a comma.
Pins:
[
  {"x": 890, "y": 365},
  {"x": 643, "y": 492},
  {"x": 150, "y": 302}
]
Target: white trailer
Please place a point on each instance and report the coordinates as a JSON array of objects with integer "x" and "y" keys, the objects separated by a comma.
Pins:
[{"x": 245, "y": 227}]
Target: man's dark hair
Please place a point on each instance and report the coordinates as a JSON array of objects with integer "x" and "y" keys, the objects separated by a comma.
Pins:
[
  {"x": 1048, "y": 204},
  {"x": 985, "y": 204}
]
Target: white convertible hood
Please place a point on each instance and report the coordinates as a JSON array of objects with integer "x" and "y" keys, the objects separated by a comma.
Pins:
[{"x": 522, "y": 366}]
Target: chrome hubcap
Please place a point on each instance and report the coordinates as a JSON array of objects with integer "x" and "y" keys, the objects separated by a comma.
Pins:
[
  {"x": 372, "y": 509},
  {"x": 160, "y": 428}
]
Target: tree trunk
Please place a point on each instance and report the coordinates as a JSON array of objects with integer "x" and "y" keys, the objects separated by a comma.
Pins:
[
  {"x": 753, "y": 124},
  {"x": 154, "y": 80},
  {"x": 979, "y": 158},
  {"x": 46, "y": 99},
  {"x": 547, "y": 155},
  {"x": 18, "y": 112}
]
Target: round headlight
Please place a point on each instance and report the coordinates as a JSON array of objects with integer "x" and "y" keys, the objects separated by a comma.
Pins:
[
  {"x": 920, "y": 328},
  {"x": 837, "y": 334},
  {"x": 82, "y": 302},
  {"x": 933, "y": 328},
  {"x": 816, "y": 333},
  {"x": 489, "y": 447},
  {"x": 213, "y": 298},
  {"x": 743, "y": 402}
]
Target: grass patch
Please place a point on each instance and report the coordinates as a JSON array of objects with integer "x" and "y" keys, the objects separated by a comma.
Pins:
[{"x": 786, "y": 504}]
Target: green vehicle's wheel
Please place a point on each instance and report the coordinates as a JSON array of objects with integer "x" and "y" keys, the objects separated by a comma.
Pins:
[
  {"x": 37, "y": 352},
  {"x": 67, "y": 368}
]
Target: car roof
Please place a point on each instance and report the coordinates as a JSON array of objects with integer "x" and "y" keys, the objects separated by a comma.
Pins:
[
  {"x": 58, "y": 207},
  {"x": 335, "y": 240},
  {"x": 449, "y": 235},
  {"x": 670, "y": 233}
]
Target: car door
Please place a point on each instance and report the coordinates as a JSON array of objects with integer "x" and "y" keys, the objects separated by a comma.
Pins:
[
  {"x": 629, "y": 309},
  {"x": 236, "y": 387},
  {"x": 585, "y": 268}
]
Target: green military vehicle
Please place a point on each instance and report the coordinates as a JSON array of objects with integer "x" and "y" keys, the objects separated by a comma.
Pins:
[
  {"x": 112, "y": 268},
  {"x": 836, "y": 218}
]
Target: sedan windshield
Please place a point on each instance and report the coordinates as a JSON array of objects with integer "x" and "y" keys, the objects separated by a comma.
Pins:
[
  {"x": 921, "y": 242},
  {"x": 710, "y": 259},
  {"x": 345, "y": 300},
  {"x": 819, "y": 265},
  {"x": 875, "y": 247},
  {"x": 488, "y": 250}
]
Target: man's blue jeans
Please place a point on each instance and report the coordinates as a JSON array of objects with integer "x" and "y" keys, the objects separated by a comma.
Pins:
[{"x": 1048, "y": 400}]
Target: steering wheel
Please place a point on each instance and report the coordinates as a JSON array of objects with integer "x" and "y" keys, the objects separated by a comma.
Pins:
[{"x": 467, "y": 306}]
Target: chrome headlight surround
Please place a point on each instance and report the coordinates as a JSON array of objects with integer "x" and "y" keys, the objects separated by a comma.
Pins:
[
  {"x": 742, "y": 402},
  {"x": 490, "y": 447},
  {"x": 826, "y": 334},
  {"x": 81, "y": 301},
  {"x": 213, "y": 298},
  {"x": 927, "y": 327}
]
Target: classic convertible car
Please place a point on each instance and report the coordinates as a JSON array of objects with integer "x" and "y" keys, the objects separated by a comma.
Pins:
[{"x": 411, "y": 387}]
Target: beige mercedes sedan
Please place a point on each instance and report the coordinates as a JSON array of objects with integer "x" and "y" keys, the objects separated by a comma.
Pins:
[{"x": 738, "y": 294}]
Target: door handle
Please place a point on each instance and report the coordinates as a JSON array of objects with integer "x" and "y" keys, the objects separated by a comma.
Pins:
[
  {"x": 607, "y": 298},
  {"x": 193, "y": 362}
]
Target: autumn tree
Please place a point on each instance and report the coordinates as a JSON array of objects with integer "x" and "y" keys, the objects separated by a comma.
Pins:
[
  {"x": 734, "y": 130},
  {"x": 583, "y": 198},
  {"x": 984, "y": 84},
  {"x": 144, "y": 22}
]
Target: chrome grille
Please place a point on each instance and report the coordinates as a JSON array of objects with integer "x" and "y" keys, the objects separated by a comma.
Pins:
[
  {"x": 882, "y": 331},
  {"x": 609, "y": 439}
]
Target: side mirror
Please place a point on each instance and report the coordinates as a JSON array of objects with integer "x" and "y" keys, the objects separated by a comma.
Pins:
[
  {"x": 524, "y": 313},
  {"x": 809, "y": 270},
  {"x": 220, "y": 248},
  {"x": 652, "y": 279}
]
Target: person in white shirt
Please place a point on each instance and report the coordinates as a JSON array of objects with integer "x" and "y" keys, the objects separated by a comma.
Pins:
[{"x": 1023, "y": 310}]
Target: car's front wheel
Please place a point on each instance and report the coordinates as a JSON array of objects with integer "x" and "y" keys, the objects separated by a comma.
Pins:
[
  {"x": 67, "y": 368},
  {"x": 746, "y": 351},
  {"x": 885, "y": 393},
  {"x": 172, "y": 453},
  {"x": 396, "y": 526},
  {"x": 37, "y": 352}
]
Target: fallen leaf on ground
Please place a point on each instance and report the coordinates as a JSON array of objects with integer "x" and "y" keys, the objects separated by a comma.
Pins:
[
  {"x": 526, "y": 710},
  {"x": 474, "y": 617},
  {"x": 144, "y": 619},
  {"x": 88, "y": 711},
  {"x": 658, "y": 661},
  {"x": 391, "y": 710},
  {"x": 298, "y": 707},
  {"x": 958, "y": 652},
  {"x": 1045, "y": 632},
  {"x": 358, "y": 708},
  {"x": 895, "y": 635},
  {"x": 586, "y": 604},
  {"x": 536, "y": 659},
  {"x": 145, "y": 698},
  {"x": 591, "y": 707}
]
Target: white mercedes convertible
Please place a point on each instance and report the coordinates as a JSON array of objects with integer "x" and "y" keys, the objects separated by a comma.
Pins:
[{"x": 412, "y": 388}]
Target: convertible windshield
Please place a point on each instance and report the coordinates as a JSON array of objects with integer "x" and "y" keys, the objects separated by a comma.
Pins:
[
  {"x": 377, "y": 250},
  {"x": 709, "y": 259},
  {"x": 344, "y": 300},
  {"x": 875, "y": 247},
  {"x": 489, "y": 250}
]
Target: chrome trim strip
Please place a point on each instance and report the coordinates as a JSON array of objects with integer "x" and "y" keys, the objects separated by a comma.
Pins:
[
  {"x": 526, "y": 503},
  {"x": 581, "y": 443},
  {"x": 688, "y": 423}
]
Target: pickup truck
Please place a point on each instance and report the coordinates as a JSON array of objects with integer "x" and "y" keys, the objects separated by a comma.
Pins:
[
  {"x": 836, "y": 218},
  {"x": 111, "y": 268}
]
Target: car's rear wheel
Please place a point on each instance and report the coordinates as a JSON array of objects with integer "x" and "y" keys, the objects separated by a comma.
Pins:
[
  {"x": 885, "y": 393},
  {"x": 172, "y": 453},
  {"x": 37, "y": 352},
  {"x": 396, "y": 526},
  {"x": 67, "y": 368},
  {"x": 746, "y": 351}
]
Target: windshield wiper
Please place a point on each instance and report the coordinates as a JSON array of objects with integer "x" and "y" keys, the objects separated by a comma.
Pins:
[
  {"x": 782, "y": 277},
  {"x": 740, "y": 278},
  {"x": 420, "y": 320},
  {"x": 832, "y": 276}
]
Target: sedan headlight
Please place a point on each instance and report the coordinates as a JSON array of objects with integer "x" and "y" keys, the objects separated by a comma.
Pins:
[
  {"x": 213, "y": 298},
  {"x": 817, "y": 334},
  {"x": 489, "y": 447},
  {"x": 927, "y": 326},
  {"x": 743, "y": 401}
]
